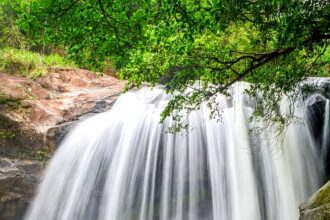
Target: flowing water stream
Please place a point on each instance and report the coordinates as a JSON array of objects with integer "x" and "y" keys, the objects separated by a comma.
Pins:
[{"x": 124, "y": 165}]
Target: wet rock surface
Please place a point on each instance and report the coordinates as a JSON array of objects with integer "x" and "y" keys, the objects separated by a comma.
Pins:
[{"x": 18, "y": 181}]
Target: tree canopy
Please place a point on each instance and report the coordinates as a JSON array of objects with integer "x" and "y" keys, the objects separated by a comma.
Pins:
[{"x": 273, "y": 44}]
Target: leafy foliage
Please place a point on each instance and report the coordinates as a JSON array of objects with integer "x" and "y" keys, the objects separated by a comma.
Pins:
[
  {"x": 16, "y": 45},
  {"x": 273, "y": 44},
  {"x": 10, "y": 34}
]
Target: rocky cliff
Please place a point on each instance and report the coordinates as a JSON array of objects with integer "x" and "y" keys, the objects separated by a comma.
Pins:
[{"x": 35, "y": 115}]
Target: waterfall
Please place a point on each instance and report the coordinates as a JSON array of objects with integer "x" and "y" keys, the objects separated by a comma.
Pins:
[
  {"x": 325, "y": 132},
  {"x": 125, "y": 165}
]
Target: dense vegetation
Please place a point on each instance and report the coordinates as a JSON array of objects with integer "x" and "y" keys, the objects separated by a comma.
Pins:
[
  {"x": 19, "y": 54},
  {"x": 272, "y": 43}
]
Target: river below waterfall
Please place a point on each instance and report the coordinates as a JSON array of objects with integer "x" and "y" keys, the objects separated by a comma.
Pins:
[{"x": 124, "y": 165}]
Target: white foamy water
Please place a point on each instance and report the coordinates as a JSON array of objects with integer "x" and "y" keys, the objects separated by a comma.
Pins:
[{"x": 123, "y": 165}]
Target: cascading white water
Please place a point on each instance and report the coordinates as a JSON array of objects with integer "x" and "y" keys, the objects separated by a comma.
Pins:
[
  {"x": 325, "y": 132},
  {"x": 123, "y": 165}
]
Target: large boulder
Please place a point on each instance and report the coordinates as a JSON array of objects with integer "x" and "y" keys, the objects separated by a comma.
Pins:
[{"x": 318, "y": 206}]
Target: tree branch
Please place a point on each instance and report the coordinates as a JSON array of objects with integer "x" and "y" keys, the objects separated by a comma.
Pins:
[
  {"x": 105, "y": 14},
  {"x": 67, "y": 9}
]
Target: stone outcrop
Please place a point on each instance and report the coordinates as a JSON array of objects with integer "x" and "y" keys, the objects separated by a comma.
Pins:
[
  {"x": 35, "y": 115},
  {"x": 318, "y": 206},
  {"x": 18, "y": 180}
]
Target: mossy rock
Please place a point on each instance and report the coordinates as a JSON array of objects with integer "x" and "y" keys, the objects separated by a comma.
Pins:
[
  {"x": 319, "y": 213},
  {"x": 322, "y": 197},
  {"x": 318, "y": 206}
]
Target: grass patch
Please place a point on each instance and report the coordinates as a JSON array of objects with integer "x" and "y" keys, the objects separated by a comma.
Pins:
[
  {"x": 41, "y": 156},
  {"x": 30, "y": 64}
]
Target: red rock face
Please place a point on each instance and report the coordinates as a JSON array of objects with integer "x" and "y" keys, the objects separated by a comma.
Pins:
[{"x": 60, "y": 97}]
